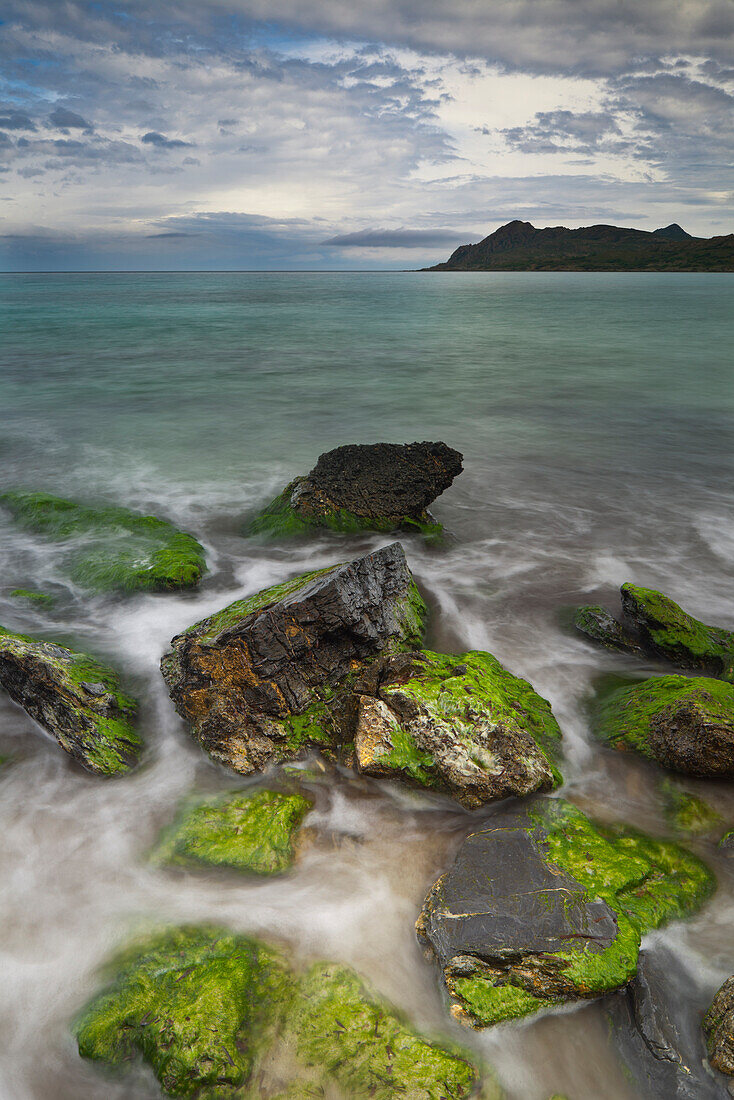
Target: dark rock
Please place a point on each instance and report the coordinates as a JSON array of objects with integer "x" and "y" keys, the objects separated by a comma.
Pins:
[
  {"x": 543, "y": 906},
  {"x": 257, "y": 679},
  {"x": 383, "y": 486},
  {"x": 74, "y": 698},
  {"x": 598, "y": 624},
  {"x": 656, "y": 1028},
  {"x": 718, "y": 1027},
  {"x": 685, "y": 723}
]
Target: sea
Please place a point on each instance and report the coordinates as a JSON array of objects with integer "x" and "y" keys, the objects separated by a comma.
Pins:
[{"x": 594, "y": 413}]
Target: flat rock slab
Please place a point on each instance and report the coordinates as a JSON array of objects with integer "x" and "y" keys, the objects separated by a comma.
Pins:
[
  {"x": 383, "y": 486},
  {"x": 653, "y": 624},
  {"x": 542, "y": 907},
  {"x": 111, "y": 548},
  {"x": 74, "y": 698},
  {"x": 461, "y": 724},
  {"x": 656, "y": 1028},
  {"x": 685, "y": 723},
  {"x": 254, "y": 680},
  {"x": 217, "y": 1015}
]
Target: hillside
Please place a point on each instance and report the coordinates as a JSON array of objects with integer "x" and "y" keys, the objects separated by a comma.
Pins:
[{"x": 519, "y": 246}]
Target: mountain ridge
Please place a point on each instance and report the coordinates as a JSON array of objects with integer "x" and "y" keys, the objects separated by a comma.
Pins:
[{"x": 519, "y": 246}]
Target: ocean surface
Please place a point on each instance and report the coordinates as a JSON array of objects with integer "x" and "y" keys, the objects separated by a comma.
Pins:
[{"x": 595, "y": 416}]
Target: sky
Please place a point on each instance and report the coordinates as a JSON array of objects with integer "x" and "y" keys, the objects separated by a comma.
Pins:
[{"x": 338, "y": 134}]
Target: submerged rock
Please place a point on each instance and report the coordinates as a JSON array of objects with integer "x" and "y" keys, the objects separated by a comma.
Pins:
[
  {"x": 461, "y": 724},
  {"x": 543, "y": 907},
  {"x": 74, "y": 698},
  {"x": 379, "y": 486},
  {"x": 215, "y": 1014},
  {"x": 684, "y": 723},
  {"x": 112, "y": 548},
  {"x": 652, "y": 623},
  {"x": 718, "y": 1027},
  {"x": 686, "y": 813},
  {"x": 40, "y": 599},
  {"x": 656, "y": 1028},
  {"x": 256, "y": 680},
  {"x": 254, "y": 832}
]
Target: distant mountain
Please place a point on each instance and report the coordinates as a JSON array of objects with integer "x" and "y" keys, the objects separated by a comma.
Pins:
[{"x": 519, "y": 246}]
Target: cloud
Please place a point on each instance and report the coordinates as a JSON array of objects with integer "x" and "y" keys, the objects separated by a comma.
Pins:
[
  {"x": 397, "y": 238},
  {"x": 162, "y": 142},
  {"x": 16, "y": 120},
  {"x": 68, "y": 120}
]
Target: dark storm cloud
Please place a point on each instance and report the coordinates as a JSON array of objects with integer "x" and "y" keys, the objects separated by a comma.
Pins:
[
  {"x": 68, "y": 120},
  {"x": 160, "y": 141},
  {"x": 396, "y": 238}
]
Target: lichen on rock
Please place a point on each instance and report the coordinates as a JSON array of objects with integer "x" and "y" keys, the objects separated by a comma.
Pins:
[
  {"x": 461, "y": 724},
  {"x": 111, "y": 548},
  {"x": 652, "y": 623},
  {"x": 684, "y": 723},
  {"x": 544, "y": 906},
  {"x": 75, "y": 698},
  {"x": 258, "y": 681},
  {"x": 358, "y": 487},
  {"x": 254, "y": 832},
  {"x": 216, "y": 1014}
]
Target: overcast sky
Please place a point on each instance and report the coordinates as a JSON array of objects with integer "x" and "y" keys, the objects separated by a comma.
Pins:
[{"x": 352, "y": 133}]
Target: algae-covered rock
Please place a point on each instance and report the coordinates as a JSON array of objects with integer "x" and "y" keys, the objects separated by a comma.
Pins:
[
  {"x": 461, "y": 724},
  {"x": 40, "y": 599},
  {"x": 112, "y": 548},
  {"x": 258, "y": 680},
  {"x": 656, "y": 1032},
  {"x": 253, "y": 832},
  {"x": 718, "y": 1028},
  {"x": 543, "y": 907},
  {"x": 652, "y": 623},
  {"x": 380, "y": 486},
  {"x": 74, "y": 698},
  {"x": 218, "y": 1015},
  {"x": 687, "y": 813},
  {"x": 684, "y": 723}
]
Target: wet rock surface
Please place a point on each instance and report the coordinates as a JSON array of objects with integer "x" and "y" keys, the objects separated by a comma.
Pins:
[
  {"x": 256, "y": 679},
  {"x": 684, "y": 723},
  {"x": 718, "y": 1027},
  {"x": 75, "y": 698},
  {"x": 111, "y": 548},
  {"x": 461, "y": 724},
  {"x": 217, "y": 1014},
  {"x": 385, "y": 486},
  {"x": 656, "y": 1029},
  {"x": 652, "y": 623},
  {"x": 254, "y": 832},
  {"x": 543, "y": 906}
]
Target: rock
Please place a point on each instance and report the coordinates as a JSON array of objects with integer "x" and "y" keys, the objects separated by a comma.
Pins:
[
  {"x": 686, "y": 813},
  {"x": 656, "y": 1029},
  {"x": 380, "y": 486},
  {"x": 257, "y": 681},
  {"x": 652, "y": 623},
  {"x": 727, "y": 841},
  {"x": 74, "y": 698},
  {"x": 112, "y": 548},
  {"x": 684, "y": 723},
  {"x": 543, "y": 906},
  {"x": 459, "y": 724},
  {"x": 255, "y": 832},
  {"x": 40, "y": 599},
  {"x": 218, "y": 1015},
  {"x": 718, "y": 1028}
]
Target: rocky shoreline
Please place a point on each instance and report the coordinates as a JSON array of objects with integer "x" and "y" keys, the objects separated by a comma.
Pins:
[{"x": 544, "y": 907}]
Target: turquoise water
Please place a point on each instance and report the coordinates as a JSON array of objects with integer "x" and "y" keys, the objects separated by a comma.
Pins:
[{"x": 595, "y": 416}]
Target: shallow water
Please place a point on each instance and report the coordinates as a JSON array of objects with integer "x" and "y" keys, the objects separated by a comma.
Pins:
[{"x": 594, "y": 413}]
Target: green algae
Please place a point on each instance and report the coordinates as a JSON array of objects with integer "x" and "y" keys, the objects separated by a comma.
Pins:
[
  {"x": 495, "y": 1004},
  {"x": 686, "y": 813},
  {"x": 623, "y": 717},
  {"x": 251, "y": 832},
  {"x": 199, "y": 1006},
  {"x": 280, "y": 519},
  {"x": 41, "y": 599},
  {"x": 218, "y": 1015},
  {"x": 678, "y": 635},
  {"x": 112, "y": 548},
  {"x": 75, "y": 697}
]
